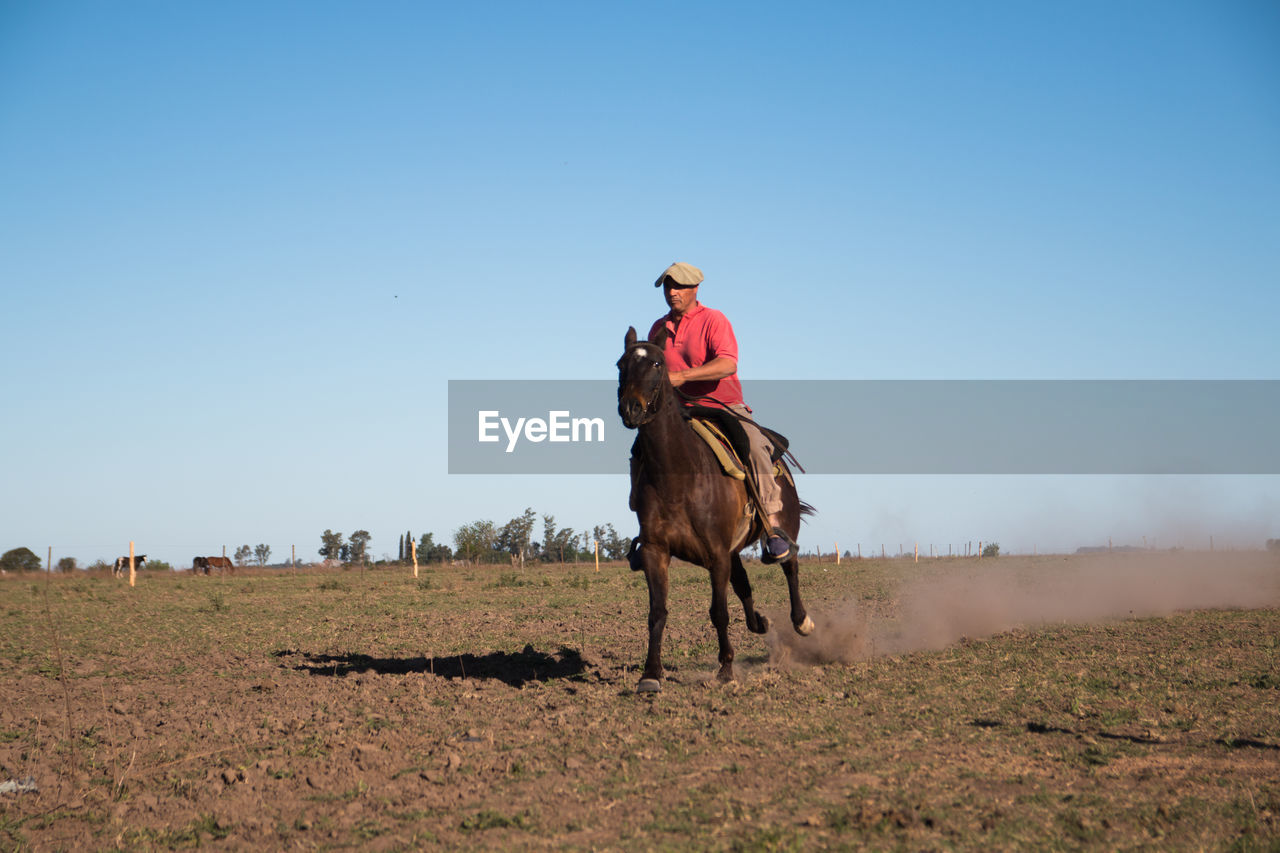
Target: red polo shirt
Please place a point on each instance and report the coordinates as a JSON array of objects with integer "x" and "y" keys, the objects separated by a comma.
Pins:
[{"x": 704, "y": 334}]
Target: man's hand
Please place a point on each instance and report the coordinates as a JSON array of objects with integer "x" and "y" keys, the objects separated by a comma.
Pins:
[{"x": 717, "y": 368}]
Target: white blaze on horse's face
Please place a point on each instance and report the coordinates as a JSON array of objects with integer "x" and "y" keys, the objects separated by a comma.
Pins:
[{"x": 642, "y": 352}]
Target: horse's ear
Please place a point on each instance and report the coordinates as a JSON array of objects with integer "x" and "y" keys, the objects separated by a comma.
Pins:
[
  {"x": 660, "y": 339},
  {"x": 631, "y": 335}
]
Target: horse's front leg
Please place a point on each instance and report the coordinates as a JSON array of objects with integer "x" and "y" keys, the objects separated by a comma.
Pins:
[
  {"x": 720, "y": 571},
  {"x": 757, "y": 622},
  {"x": 799, "y": 618},
  {"x": 654, "y": 560}
]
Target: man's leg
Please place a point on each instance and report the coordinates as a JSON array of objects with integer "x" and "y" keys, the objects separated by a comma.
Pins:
[
  {"x": 635, "y": 471},
  {"x": 770, "y": 492}
]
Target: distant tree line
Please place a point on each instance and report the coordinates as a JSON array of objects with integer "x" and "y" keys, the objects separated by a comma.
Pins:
[
  {"x": 483, "y": 541},
  {"x": 20, "y": 560},
  {"x": 259, "y": 554},
  {"x": 354, "y": 550},
  {"x": 25, "y": 560}
]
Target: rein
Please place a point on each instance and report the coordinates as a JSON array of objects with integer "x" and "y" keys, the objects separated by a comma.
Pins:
[
  {"x": 770, "y": 434},
  {"x": 703, "y": 399}
]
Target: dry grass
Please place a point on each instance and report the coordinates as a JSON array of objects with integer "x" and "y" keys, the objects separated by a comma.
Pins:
[{"x": 485, "y": 708}]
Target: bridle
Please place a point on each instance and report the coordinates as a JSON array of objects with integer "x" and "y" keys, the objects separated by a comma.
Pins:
[{"x": 651, "y": 406}]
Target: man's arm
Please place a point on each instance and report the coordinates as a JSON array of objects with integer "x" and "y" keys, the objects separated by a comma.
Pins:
[{"x": 717, "y": 368}]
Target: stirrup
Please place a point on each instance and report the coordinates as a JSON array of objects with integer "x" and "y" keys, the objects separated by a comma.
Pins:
[
  {"x": 767, "y": 554},
  {"x": 633, "y": 555}
]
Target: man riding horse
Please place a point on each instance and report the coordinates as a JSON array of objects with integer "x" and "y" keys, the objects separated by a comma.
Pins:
[
  {"x": 687, "y": 506},
  {"x": 702, "y": 362}
]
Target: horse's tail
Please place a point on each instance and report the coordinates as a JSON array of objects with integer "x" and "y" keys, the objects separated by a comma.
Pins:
[{"x": 794, "y": 461}]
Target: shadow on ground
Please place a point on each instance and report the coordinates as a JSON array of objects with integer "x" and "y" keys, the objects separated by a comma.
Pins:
[{"x": 513, "y": 669}]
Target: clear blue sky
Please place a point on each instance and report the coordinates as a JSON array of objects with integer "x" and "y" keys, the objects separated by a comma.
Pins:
[{"x": 243, "y": 246}]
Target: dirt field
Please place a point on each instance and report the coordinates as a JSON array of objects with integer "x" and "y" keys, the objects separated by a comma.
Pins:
[{"x": 1015, "y": 703}]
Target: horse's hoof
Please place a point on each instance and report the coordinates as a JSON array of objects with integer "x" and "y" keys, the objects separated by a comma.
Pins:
[
  {"x": 762, "y": 622},
  {"x": 805, "y": 628},
  {"x": 649, "y": 685}
]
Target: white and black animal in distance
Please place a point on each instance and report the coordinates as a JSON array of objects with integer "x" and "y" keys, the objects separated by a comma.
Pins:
[{"x": 122, "y": 563}]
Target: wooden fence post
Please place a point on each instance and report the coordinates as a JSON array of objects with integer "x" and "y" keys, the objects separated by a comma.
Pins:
[
  {"x": 413, "y": 549},
  {"x": 133, "y": 574}
]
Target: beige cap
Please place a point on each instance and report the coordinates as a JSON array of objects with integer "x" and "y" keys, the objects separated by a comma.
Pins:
[{"x": 686, "y": 274}]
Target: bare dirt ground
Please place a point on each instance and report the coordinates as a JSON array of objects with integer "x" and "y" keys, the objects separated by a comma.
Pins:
[{"x": 1015, "y": 703}]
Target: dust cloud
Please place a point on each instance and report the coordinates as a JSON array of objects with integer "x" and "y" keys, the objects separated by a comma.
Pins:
[{"x": 941, "y": 602}]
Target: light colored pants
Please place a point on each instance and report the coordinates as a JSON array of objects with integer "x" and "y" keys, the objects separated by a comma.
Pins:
[{"x": 761, "y": 466}]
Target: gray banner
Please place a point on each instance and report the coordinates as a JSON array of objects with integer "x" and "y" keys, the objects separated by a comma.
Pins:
[{"x": 900, "y": 427}]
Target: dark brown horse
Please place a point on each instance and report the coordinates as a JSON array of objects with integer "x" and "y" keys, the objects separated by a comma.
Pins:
[{"x": 689, "y": 508}]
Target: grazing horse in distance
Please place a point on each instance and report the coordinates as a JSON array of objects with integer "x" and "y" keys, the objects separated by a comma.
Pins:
[
  {"x": 205, "y": 564},
  {"x": 688, "y": 508},
  {"x": 122, "y": 563}
]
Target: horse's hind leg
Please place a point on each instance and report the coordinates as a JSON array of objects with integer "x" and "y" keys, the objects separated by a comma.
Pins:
[
  {"x": 757, "y": 623},
  {"x": 799, "y": 618},
  {"x": 720, "y": 573},
  {"x": 655, "y": 560}
]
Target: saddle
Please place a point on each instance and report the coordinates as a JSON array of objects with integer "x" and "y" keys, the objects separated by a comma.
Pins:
[
  {"x": 722, "y": 430},
  {"x": 730, "y": 427}
]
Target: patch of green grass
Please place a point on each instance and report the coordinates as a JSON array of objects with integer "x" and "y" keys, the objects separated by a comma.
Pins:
[
  {"x": 509, "y": 580},
  {"x": 189, "y": 836},
  {"x": 489, "y": 819},
  {"x": 1118, "y": 716},
  {"x": 1266, "y": 681},
  {"x": 770, "y": 839},
  {"x": 1096, "y": 756},
  {"x": 354, "y": 793},
  {"x": 217, "y": 602},
  {"x": 313, "y": 746},
  {"x": 11, "y": 830},
  {"x": 361, "y": 788}
]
